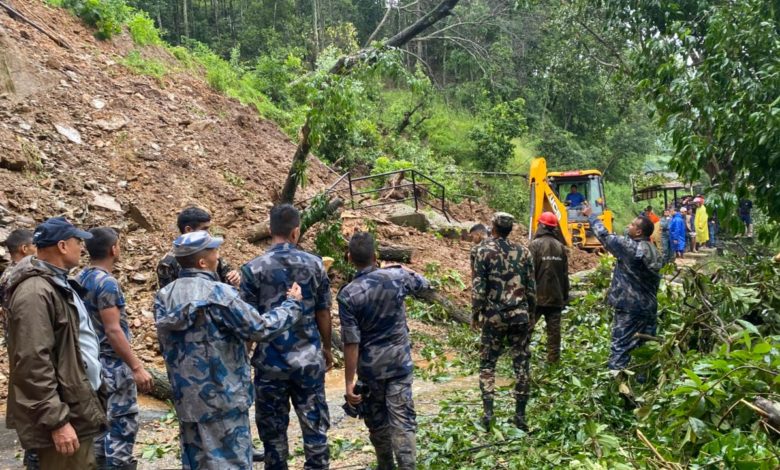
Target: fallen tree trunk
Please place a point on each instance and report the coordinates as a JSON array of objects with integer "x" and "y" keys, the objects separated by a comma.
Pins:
[
  {"x": 310, "y": 216},
  {"x": 398, "y": 253},
  {"x": 454, "y": 311}
]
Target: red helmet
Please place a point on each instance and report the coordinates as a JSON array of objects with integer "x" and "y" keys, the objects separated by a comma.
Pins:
[{"x": 548, "y": 219}]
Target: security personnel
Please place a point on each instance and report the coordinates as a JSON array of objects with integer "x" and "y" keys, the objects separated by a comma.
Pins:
[
  {"x": 123, "y": 372},
  {"x": 291, "y": 367},
  {"x": 376, "y": 346},
  {"x": 203, "y": 326},
  {"x": 551, "y": 269},
  {"x": 504, "y": 300},
  {"x": 634, "y": 289},
  {"x": 192, "y": 219}
]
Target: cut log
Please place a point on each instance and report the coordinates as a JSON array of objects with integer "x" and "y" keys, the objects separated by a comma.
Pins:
[
  {"x": 398, "y": 253},
  {"x": 259, "y": 233},
  {"x": 454, "y": 311},
  {"x": 772, "y": 410},
  {"x": 161, "y": 389}
]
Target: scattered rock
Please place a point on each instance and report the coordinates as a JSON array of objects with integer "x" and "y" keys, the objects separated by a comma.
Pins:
[
  {"x": 15, "y": 161},
  {"x": 25, "y": 221},
  {"x": 97, "y": 103},
  {"x": 104, "y": 201},
  {"x": 200, "y": 126},
  {"x": 140, "y": 217},
  {"x": 140, "y": 278},
  {"x": 69, "y": 133},
  {"x": 91, "y": 184},
  {"x": 114, "y": 123}
]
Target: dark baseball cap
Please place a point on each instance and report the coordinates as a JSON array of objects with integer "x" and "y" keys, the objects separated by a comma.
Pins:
[{"x": 56, "y": 229}]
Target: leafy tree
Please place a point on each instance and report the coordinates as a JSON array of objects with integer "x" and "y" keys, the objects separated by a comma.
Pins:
[
  {"x": 493, "y": 140},
  {"x": 710, "y": 69}
]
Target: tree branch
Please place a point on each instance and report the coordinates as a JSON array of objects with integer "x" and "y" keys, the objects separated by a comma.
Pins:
[{"x": 342, "y": 67}]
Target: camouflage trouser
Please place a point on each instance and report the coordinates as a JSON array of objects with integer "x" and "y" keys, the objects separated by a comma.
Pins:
[
  {"x": 224, "y": 443},
  {"x": 272, "y": 415},
  {"x": 391, "y": 422},
  {"x": 116, "y": 444},
  {"x": 624, "y": 328},
  {"x": 496, "y": 334},
  {"x": 552, "y": 320}
]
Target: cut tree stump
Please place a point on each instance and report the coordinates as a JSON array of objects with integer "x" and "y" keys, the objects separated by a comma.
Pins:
[{"x": 398, "y": 253}]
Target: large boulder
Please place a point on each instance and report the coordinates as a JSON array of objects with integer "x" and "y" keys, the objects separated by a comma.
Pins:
[{"x": 416, "y": 220}]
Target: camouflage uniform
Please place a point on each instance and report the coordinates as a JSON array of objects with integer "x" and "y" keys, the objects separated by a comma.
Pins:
[
  {"x": 633, "y": 292},
  {"x": 373, "y": 315},
  {"x": 503, "y": 293},
  {"x": 291, "y": 367},
  {"x": 168, "y": 270},
  {"x": 202, "y": 326},
  {"x": 102, "y": 291}
]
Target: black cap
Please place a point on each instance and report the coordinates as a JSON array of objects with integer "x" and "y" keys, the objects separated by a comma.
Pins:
[{"x": 56, "y": 229}]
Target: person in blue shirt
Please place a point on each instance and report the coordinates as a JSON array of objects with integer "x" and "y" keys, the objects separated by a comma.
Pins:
[
  {"x": 574, "y": 199},
  {"x": 123, "y": 372}
]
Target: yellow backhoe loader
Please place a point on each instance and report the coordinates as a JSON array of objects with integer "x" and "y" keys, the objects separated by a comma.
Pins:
[{"x": 564, "y": 193}]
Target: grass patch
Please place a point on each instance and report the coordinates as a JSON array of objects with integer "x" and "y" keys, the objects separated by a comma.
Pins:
[{"x": 142, "y": 66}]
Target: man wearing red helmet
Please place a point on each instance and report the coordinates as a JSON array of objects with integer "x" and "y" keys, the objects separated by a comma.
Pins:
[{"x": 551, "y": 268}]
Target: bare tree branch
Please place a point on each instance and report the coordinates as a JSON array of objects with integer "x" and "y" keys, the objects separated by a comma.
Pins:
[{"x": 378, "y": 27}]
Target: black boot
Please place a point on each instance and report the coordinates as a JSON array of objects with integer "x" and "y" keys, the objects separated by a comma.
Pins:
[
  {"x": 487, "y": 413},
  {"x": 520, "y": 415},
  {"x": 258, "y": 455}
]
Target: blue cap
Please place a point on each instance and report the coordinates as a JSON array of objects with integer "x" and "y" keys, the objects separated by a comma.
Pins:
[
  {"x": 55, "y": 230},
  {"x": 194, "y": 242}
]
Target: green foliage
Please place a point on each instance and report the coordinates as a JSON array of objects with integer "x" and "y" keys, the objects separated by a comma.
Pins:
[
  {"x": 107, "y": 16},
  {"x": 709, "y": 357},
  {"x": 711, "y": 72},
  {"x": 493, "y": 140},
  {"x": 330, "y": 242},
  {"x": 141, "y": 65},
  {"x": 142, "y": 29}
]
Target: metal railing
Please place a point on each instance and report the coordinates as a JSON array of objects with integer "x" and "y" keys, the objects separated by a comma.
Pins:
[{"x": 420, "y": 187}]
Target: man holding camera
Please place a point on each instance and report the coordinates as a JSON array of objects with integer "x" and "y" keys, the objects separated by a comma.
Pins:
[{"x": 376, "y": 346}]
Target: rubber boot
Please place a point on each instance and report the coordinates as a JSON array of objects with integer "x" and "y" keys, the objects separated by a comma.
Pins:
[
  {"x": 520, "y": 415},
  {"x": 258, "y": 455},
  {"x": 487, "y": 413}
]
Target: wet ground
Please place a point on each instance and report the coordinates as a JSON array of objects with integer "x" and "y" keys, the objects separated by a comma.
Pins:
[{"x": 159, "y": 432}]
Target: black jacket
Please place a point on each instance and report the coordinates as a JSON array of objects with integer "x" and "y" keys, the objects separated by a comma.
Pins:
[{"x": 551, "y": 266}]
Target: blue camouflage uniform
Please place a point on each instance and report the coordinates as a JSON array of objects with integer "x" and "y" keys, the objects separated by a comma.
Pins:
[
  {"x": 202, "y": 326},
  {"x": 633, "y": 292},
  {"x": 291, "y": 367},
  {"x": 372, "y": 313},
  {"x": 116, "y": 445}
]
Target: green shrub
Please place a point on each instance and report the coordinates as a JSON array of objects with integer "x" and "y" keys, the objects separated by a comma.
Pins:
[
  {"x": 140, "y": 65},
  {"x": 107, "y": 16},
  {"x": 142, "y": 29}
]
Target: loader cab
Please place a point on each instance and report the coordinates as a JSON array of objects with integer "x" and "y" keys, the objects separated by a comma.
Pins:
[{"x": 589, "y": 187}]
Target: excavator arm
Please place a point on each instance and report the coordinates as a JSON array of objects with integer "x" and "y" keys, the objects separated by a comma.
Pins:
[{"x": 544, "y": 199}]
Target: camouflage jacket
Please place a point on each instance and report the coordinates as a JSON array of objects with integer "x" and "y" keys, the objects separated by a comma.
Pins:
[
  {"x": 102, "y": 291},
  {"x": 636, "y": 278},
  {"x": 372, "y": 313},
  {"x": 503, "y": 282},
  {"x": 264, "y": 282},
  {"x": 202, "y": 326},
  {"x": 168, "y": 270}
]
